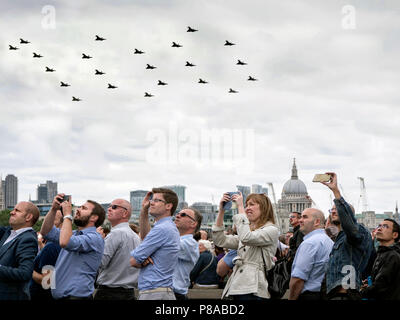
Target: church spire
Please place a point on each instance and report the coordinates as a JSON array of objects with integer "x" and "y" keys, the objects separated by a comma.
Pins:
[{"x": 294, "y": 170}]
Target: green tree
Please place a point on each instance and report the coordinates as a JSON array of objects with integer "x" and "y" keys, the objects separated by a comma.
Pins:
[{"x": 4, "y": 216}]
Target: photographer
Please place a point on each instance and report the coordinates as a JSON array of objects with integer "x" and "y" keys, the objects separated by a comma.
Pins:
[
  {"x": 255, "y": 242},
  {"x": 82, "y": 249},
  {"x": 351, "y": 251}
]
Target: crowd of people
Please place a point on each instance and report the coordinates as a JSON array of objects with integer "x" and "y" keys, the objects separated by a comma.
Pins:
[{"x": 333, "y": 259}]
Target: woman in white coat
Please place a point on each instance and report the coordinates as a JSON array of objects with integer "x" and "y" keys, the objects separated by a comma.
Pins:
[{"x": 255, "y": 242}]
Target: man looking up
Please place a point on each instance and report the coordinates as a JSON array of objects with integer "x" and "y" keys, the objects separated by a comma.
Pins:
[
  {"x": 157, "y": 255},
  {"x": 385, "y": 273},
  {"x": 82, "y": 249},
  {"x": 117, "y": 279},
  {"x": 18, "y": 249},
  {"x": 351, "y": 251},
  {"x": 296, "y": 239},
  {"x": 188, "y": 222},
  {"x": 311, "y": 257}
]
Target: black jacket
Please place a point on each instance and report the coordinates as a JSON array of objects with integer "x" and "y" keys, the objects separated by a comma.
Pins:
[{"x": 385, "y": 275}]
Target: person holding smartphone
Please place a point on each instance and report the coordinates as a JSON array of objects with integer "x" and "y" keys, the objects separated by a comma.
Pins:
[{"x": 256, "y": 243}]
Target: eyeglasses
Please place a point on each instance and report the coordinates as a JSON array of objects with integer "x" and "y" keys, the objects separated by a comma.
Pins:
[
  {"x": 331, "y": 210},
  {"x": 158, "y": 200},
  {"x": 292, "y": 217},
  {"x": 386, "y": 226},
  {"x": 183, "y": 214},
  {"x": 115, "y": 206}
]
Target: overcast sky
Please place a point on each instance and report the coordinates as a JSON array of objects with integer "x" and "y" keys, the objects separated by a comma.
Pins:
[{"x": 327, "y": 94}]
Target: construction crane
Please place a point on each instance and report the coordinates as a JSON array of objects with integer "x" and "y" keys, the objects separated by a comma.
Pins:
[
  {"x": 363, "y": 195},
  {"x": 275, "y": 205}
]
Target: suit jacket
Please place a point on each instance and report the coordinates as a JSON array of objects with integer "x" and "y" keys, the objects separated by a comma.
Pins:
[{"x": 16, "y": 264}]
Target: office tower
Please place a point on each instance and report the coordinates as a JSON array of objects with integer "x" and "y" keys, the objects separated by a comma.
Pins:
[
  {"x": 46, "y": 192},
  {"x": 136, "y": 199},
  {"x": 51, "y": 190},
  {"x": 2, "y": 205},
  {"x": 42, "y": 193},
  {"x": 245, "y": 190},
  {"x": 10, "y": 191},
  {"x": 256, "y": 188}
]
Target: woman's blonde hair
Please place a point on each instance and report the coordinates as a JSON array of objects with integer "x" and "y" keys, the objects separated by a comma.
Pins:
[{"x": 266, "y": 209}]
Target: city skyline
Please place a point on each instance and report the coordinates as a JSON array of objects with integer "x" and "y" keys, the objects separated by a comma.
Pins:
[
  {"x": 324, "y": 91},
  {"x": 213, "y": 199}
]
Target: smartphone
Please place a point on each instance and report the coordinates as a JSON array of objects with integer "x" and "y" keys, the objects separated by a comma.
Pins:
[
  {"x": 322, "y": 177},
  {"x": 230, "y": 205}
]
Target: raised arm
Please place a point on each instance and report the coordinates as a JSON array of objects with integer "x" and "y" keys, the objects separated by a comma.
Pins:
[
  {"x": 48, "y": 221},
  {"x": 144, "y": 224}
]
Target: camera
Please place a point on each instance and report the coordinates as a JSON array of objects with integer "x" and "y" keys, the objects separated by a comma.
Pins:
[
  {"x": 65, "y": 198},
  {"x": 229, "y": 205}
]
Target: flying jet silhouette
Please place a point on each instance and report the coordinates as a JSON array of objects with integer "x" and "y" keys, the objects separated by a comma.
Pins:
[
  {"x": 161, "y": 83},
  {"x": 84, "y": 56},
  {"x": 49, "y": 69},
  {"x": 138, "y": 51},
  {"x": 252, "y": 79},
  {"x": 99, "y": 38},
  {"x": 202, "y": 81},
  {"x": 150, "y": 67},
  {"x": 12, "y": 48},
  {"x": 148, "y": 94},
  {"x": 176, "y": 45},
  {"x": 35, "y": 55},
  {"x": 63, "y": 84},
  {"x": 110, "y": 86},
  {"x": 232, "y": 91},
  {"x": 188, "y": 64},
  {"x": 99, "y": 72},
  {"x": 75, "y": 99},
  {"x": 227, "y": 43},
  {"x": 241, "y": 63},
  {"x": 22, "y": 41},
  {"x": 190, "y": 29}
]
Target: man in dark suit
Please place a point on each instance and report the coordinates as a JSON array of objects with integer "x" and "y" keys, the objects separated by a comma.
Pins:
[{"x": 18, "y": 248}]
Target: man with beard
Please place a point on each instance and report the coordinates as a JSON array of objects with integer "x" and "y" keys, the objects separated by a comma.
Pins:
[
  {"x": 82, "y": 249},
  {"x": 157, "y": 255}
]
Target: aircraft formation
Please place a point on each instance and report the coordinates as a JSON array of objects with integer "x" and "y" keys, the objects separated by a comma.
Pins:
[{"x": 136, "y": 51}]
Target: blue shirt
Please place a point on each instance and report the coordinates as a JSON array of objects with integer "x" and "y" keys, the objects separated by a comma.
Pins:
[
  {"x": 77, "y": 263},
  {"x": 46, "y": 257},
  {"x": 187, "y": 258},
  {"x": 162, "y": 244},
  {"x": 228, "y": 258},
  {"x": 311, "y": 259}
]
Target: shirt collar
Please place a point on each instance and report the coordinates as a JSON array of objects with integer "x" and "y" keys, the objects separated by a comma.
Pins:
[
  {"x": 121, "y": 225},
  {"x": 19, "y": 231},
  {"x": 313, "y": 232},
  {"x": 87, "y": 230}
]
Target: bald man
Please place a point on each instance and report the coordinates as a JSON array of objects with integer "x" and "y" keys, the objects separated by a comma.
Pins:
[
  {"x": 18, "y": 249},
  {"x": 312, "y": 256},
  {"x": 117, "y": 278}
]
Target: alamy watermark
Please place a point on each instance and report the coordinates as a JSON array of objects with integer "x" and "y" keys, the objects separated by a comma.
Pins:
[
  {"x": 216, "y": 147},
  {"x": 49, "y": 18}
]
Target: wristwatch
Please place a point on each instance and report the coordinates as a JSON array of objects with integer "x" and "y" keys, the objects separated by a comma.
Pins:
[{"x": 69, "y": 217}]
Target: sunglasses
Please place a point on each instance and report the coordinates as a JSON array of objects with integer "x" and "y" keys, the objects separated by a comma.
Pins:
[
  {"x": 183, "y": 214},
  {"x": 115, "y": 206}
]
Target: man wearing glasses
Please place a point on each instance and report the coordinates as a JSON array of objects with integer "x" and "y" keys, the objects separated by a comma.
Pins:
[
  {"x": 351, "y": 251},
  {"x": 157, "y": 255},
  {"x": 385, "y": 273},
  {"x": 117, "y": 279},
  {"x": 188, "y": 222}
]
